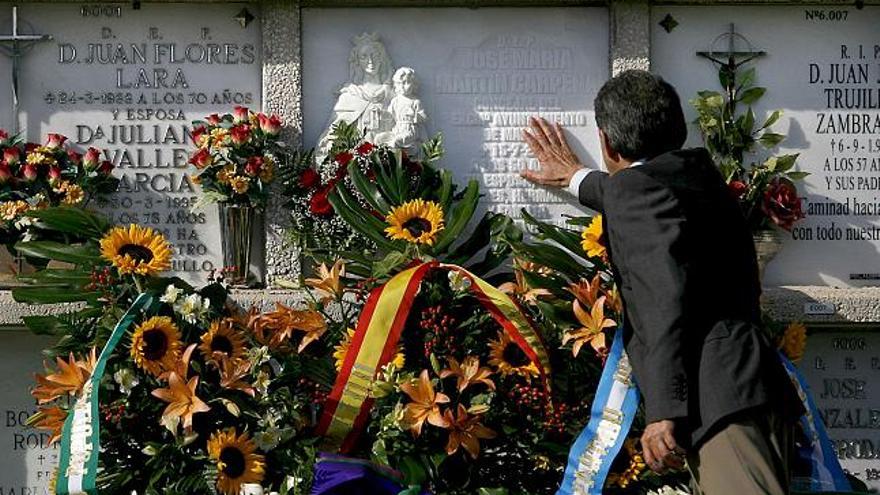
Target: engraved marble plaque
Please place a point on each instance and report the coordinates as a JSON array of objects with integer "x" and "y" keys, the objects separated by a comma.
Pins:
[
  {"x": 843, "y": 368},
  {"x": 482, "y": 73},
  {"x": 823, "y": 69},
  {"x": 131, "y": 81},
  {"x": 27, "y": 459}
]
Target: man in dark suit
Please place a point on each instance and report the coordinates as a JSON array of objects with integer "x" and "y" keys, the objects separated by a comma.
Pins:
[{"x": 714, "y": 390}]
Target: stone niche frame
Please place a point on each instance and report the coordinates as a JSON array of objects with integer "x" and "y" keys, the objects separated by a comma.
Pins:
[{"x": 630, "y": 48}]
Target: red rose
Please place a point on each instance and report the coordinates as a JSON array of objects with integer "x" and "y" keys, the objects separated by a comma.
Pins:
[
  {"x": 240, "y": 133},
  {"x": 55, "y": 140},
  {"x": 11, "y": 156},
  {"x": 106, "y": 167},
  {"x": 5, "y": 173},
  {"x": 74, "y": 156},
  {"x": 309, "y": 178},
  {"x": 319, "y": 205},
  {"x": 343, "y": 158},
  {"x": 782, "y": 204},
  {"x": 92, "y": 158},
  {"x": 30, "y": 147},
  {"x": 29, "y": 172},
  {"x": 201, "y": 159},
  {"x": 54, "y": 174},
  {"x": 366, "y": 148},
  {"x": 254, "y": 166},
  {"x": 240, "y": 114},
  {"x": 737, "y": 188},
  {"x": 3, "y": 135},
  {"x": 213, "y": 119},
  {"x": 269, "y": 125},
  {"x": 197, "y": 133}
]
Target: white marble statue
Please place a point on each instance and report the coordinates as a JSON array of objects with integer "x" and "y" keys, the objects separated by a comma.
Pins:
[
  {"x": 364, "y": 99},
  {"x": 408, "y": 113}
]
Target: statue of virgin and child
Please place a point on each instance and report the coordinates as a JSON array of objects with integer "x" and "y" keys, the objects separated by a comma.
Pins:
[{"x": 380, "y": 101}]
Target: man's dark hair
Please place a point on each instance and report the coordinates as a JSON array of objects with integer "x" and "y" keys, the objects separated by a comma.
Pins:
[{"x": 641, "y": 115}]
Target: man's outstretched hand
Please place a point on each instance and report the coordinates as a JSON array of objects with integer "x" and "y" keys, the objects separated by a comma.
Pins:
[
  {"x": 660, "y": 448},
  {"x": 557, "y": 163}
]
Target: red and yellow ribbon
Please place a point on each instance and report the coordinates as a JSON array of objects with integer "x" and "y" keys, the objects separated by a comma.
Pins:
[{"x": 375, "y": 343}]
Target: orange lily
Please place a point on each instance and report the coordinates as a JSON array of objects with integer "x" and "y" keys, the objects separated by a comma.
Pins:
[
  {"x": 586, "y": 291},
  {"x": 50, "y": 418},
  {"x": 466, "y": 431},
  {"x": 69, "y": 379},
  {"x": 276, "y": 327},
  {"x": 468, "y": 372},
  {"x": 614, "y": 302},
  {"x": 593, "y": 323},
  {"x": 182, "y": 400},
  {"x": 520, "y": 287},
  {"x": 232, "y": 372},
  {"x": 327, "y": 283},
  {"x": 181, "y": 366},
  {"x": 425, "y": 405}
]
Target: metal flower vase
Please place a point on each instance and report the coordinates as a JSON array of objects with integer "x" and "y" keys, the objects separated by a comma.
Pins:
[
  {"x": 768, "y": 243},
  {"x": 240, "y": 226}
]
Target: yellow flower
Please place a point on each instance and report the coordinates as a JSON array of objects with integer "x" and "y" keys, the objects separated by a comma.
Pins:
[
  {"x": 794, "y": 341},
  {"x": 240, "y": 184},
  {"x": 73, "y": 194},
  {"x": 225, "y": 175},
  {"x": 593, "y": 327},
  {"x": 466, "y": 431},
  {"x": 38, "y": 157},
  {"x": 506, "y": 356},
  {"x": 182, "y": 401},
  {"x": 425, "y": 405},
  {"x": 341, "y": 350},
  {"x": 155, "y": 345},
  {"x": 222, "y": 340},
  {"x": 136, "y": 250},
  {"x": 327, "y": 282},
  {"x": 10, "y": 210},
  {"x": 237, "y": 460},
  {"x": 415, "y": 221},
  {"x": 592, "y": 239},
  {"x": 220, "y": 138},
  {"x": 632, "y": 472}
]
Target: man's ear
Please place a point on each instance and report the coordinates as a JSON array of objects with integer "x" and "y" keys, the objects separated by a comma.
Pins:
[{"x": 608, "y": 152}]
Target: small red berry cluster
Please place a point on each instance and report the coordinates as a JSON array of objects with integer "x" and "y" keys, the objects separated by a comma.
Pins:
[
  {"x": 439, "y": 328},
  {"x": 315, "y": 389},
  {"x": 555, "y": 417},
  {"x": 528, "y": 396},
  {"x": 112, "y": 413},
  {"x": 101, "y": 280}
]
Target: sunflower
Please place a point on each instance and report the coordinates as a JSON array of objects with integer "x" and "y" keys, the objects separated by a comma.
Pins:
[
  {"x": 237, "y": 460},
  {"x": 155, "y": 345},
  {"x": 223, "y": 338},
  {"x": 593, "y": 239},
  {"x": 136, "y": 250},
  {"x": 415, "y": 221},
  {"x": 794, "y": 341},
  {"x": 509, "y": 359},
  {"x": 341, "y": 350}
]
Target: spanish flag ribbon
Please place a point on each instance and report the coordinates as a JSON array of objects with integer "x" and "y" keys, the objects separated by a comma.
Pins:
[{"x": 378, "y": 332}]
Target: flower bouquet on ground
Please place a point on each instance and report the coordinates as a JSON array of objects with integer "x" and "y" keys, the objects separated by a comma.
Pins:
[
  {"x": 317, "y": 227},
  {"x": 765, "y": 188},
  {"x": 236, "y": 157},
  {"x": 35, "y": 177},
  {"x": 190, "y": 394}
]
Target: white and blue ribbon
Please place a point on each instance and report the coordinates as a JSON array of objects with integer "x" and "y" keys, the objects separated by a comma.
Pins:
[
  {"x": 826, "y": 474},
  {"x": 611, "y": 417}
]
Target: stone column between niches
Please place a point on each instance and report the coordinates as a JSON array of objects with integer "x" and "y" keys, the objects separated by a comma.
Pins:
[
  {"x": 630, "y": 33},
  {"x": 282, "y": 95}
]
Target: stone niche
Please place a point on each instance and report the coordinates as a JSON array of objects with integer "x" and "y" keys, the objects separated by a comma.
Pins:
[
  {"x": 481, "y": 74},
  {"x": 822, "y": 68},
  {"x": 131, "y": 81}
]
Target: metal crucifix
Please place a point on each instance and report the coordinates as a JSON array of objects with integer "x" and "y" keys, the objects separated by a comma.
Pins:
[
  {"x": 14, "y": 46},
  {"x": 735, "y": 58}
]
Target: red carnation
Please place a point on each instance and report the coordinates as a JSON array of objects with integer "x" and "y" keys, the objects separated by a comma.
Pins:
[
  {"x": 55, "y": 140},
  {"x": 201, "y": 159},
  {"x": 366, "y": 148},
  {"x": 254, "y": 166},
  {"x": 240, "y": 114},
  {"x": 29, "y": 172},
  {"x": 782, "y": 204},
  {"x": 309, "y": 178},
  {"x": 319, "y": 205},
  {"x": 11, "y": 156},
  {"x": 343, "y": 158},
  {"x": 106, "y": 167},
  {"x": 54, "y": 174},
  {"x": 3, "y": 135},
  {"x": 737, "y": 188},
  {"x": 269, "y": 125},
  {"x": 240, "y": 133}
]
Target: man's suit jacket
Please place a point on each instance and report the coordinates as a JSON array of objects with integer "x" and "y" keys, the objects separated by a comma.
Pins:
[{"x": 686, "y": 267}]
